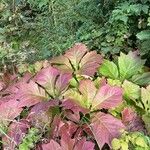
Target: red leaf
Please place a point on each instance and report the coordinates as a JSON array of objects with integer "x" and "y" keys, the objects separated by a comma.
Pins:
[
  {"x": 104, "y": 128},
  {"x": 89, "y": 97}
]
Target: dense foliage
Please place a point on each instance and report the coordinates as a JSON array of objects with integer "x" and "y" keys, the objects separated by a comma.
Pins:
[
  {"x": 37, "y": 29},
  {"x": 77, "y": 101}
]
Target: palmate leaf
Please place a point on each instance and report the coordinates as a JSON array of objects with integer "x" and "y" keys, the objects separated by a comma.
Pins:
[
  {"x": 105, "y": 127},
  {"x": 91, "y": 98},
  {"x": 53, "y": 80},
  {"x": 129, "y": 65},
  {"x": 78, "y": 60}
]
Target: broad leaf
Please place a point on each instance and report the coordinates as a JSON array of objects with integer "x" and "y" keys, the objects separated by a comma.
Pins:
[
  {"x": 129, "y": 65},
  {"x": 15, "y": 134},
  {"x": 69, "y": 144},
  {"x": 114, "y": 82},
  {"x": 30, "y": 94},
  {"x": 107, "y": 97},
  {"x": 88, "y": 90},
  {"x": 132, "y": 121},
  {"x": 84, "y": 145},
  {"x": 75, "y": 54},
  {"x": 146, "y": 119},
  {"x": 145, "y": 96},
  {"x": 51, "y": 145},
  {"x": 109, "y": 69},
  {"x": 105, "y": 127},
  {"x": 40, "y": 115},
  {"x": 131, "y": 90},
  {"x": 90, "y": 63},
  {"x": 9, "y": 111},
  {"x": 141, "y": 79}
]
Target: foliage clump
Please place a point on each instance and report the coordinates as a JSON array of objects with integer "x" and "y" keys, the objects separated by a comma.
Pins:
[{"x": 75, "y": 101}]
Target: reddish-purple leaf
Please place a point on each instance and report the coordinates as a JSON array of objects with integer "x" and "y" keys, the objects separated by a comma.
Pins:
[
  {"x": 132, "y": 121},
  {"x": 30, "y": 94},
  {"x": 84, "y": 145},
  {"x": 52, "y": 145},
  {"x": 76, "y": 53},
  {"x": 88, "y": 89},
  {"x": 62, "y": 82},
  {"x": 107, "y": 97},
  {"x": 39, "y": 115},
  {"x": 90, "y": 63},
  {"x": 62, "y": 63},
  {"x": 67, "y": 143},
  {"x": 47, "y": 78},
  {"x": 15, "y": 134},
  {"x": 104, "y": 128},
  {"x": 54, "y": 81},
  {"x": 79, "y": 60},
  {"x": 9, "y": 111}
]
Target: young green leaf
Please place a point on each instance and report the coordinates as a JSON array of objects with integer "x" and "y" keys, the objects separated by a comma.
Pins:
[
  {"x": 131, "y": 90},
  {"x": 109, "y": 69}
]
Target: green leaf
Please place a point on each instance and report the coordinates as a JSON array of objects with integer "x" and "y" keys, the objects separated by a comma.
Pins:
[
  {"x": 114, "y": 82},
  {"x": 116, "y": 144},
  {"x": 145, "y": 96},
  {"x": 131, "y": 90},
  {"x": 124, "y": 145},
  {"x": 144, "y": 35},
  {"x": 109, "y": 69},
  {"x": 140, "y": 141},
  {"x": 141, "y": 79},
  {"x": 146, "y": 119},
  {"x": 129, "y": 65}
]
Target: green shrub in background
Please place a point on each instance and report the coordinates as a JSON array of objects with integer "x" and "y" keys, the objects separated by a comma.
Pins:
[{"x": 33, "y": 30}]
